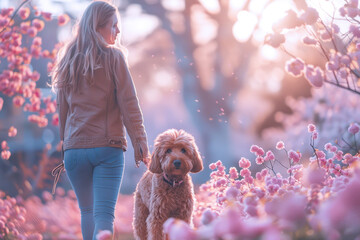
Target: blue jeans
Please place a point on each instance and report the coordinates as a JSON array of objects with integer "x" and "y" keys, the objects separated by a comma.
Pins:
[{"x": 95, "y": 175}]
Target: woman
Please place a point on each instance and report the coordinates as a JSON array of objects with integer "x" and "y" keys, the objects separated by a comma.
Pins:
[{"x": 96, "y": 101}]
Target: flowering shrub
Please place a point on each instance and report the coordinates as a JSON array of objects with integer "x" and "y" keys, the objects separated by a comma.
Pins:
[
  {"x": 316, "y": 199},
  {"x": 54, "y": 217},
  {"x": 337, "y": 38},
  {"x": 18, "y": 81}
]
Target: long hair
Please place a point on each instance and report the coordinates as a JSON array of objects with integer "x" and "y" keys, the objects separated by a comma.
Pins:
[{"x": 87, "y": 51}]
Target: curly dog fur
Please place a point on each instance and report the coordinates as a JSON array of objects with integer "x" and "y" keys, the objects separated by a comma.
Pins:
[{"x": 166, "y": 190}]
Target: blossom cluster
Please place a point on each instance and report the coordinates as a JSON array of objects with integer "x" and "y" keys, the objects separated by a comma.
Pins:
[
  {"x": 54, "y": 217},
  {"x": 313, "y": 198},
  {"x": 18, "y": 81},
  {"x": 337, "y": 39}
]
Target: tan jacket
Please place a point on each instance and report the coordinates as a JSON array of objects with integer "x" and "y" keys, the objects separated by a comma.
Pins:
[{"x": 96, "y": 115}]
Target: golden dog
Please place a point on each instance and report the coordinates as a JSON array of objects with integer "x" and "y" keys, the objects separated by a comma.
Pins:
[{"x": 166, "y": 190}]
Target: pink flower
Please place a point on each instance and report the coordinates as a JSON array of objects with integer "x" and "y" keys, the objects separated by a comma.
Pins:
[
  {"x": 46, "y": 16},
  {"x": 311, "y": 128},
  {"x": 269, "y": 156},
  {"x": 244, "y": 163},
  {"x": 354, "y": 29},
  {"x": 104, "y": 235},
  {"x": 275, "y": 39},
  {"x": 24, "y": 13},
  {"x": 178, "y": 229},
  {"x": 63, "y": 19},
  {"x": 4, "y": 145},
  {"x": 18, "y": 101},
  {"x": 32, "y": 31},
  {"x": 353, "y": 3},
  {"x": 1, "y": 103},
  {"x": 259, "y": 160},
  {"x": 280, "y": 145},
  {"x": 5, "y": 154},
  {"x": 310, "y": 16},
  {"x": 38, "y": 24},
  {"x": 245, "y": 172},
  {"x": 295, "y": 67},
  {"x": 207, "y": 216},
  {"x": 233, "y": 173},
  {"x": 315, "y": 76},
  {"x": 352, "y": 11},
  {"x": 257, "y": 150},
  {"x": 212, "y": 166},
  {"x": 354, "y": 128},
  {"x": 232, "y": 193},
  {"x": 309, "y": 41},
  {"x": 12, "y": 131},
  {"x": 294, "y": 156}
]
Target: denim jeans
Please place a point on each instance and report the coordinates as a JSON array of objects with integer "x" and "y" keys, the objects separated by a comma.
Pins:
[{"x": 95, "y": 175}]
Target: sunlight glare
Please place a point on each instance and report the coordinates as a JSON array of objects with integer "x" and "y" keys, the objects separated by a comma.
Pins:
[
  {"x": 244, "y": 26},
  {"x": 211, "y": 5},
  {"x": 272, "y": 13}
]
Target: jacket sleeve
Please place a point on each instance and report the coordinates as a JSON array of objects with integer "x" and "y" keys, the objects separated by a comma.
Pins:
[
  {"x": 129, "y": 106},
  {"x": 63, "y": 108}
]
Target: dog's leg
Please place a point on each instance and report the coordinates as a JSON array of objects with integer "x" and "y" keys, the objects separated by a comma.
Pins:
[
  {"x": 155, "y": 222},
  {"x": 141, "y": 212}
]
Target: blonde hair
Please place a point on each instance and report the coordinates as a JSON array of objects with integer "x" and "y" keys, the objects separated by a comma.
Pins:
[{"x": 88, "y": 50}]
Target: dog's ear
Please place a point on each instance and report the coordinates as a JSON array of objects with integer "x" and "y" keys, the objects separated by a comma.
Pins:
[
  {"x": 155, "y": 166},
  {"x": 197, "y": 161}
]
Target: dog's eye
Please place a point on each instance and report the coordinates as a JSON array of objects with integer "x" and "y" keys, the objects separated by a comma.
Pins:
[
  {"x": 183, "y": 150},
  {"x": 168, "y": 151}
]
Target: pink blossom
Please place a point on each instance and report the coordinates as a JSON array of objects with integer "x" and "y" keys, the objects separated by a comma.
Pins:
[
  {"x": 233, "y": 174},
  {"x": 275, "y": 39},
  {"x": 4, "y": 145},
  {"x": 1, "y": 103},
  {"x": 280, "y": 145},
  {"x": 355, "y": 30},
  {"x": 309, "y": 41},
  {"x": 259, "y": 160},
  {"x": 295, "y": 67},
  {"x": 325, "y": 36},
  {"x": 311, "y": 128},
  {"x": 310, "y": 16},
  {"x": 5, "y": 154},
  {"x": 346, "y": 59},
  {"x": 342, "y": 11},
  {"x": 245, "y": 172},
  {"x": 344, "y": 72},
  {"x": 38, "y": 24},
  {"x": 212, "y": 166},
  {"x": 257, "y": 150},
  {"x": 354, "y": 128},
  {"x": 104, "y": 235},
  {"x": 353, "y": 3},
  {"x": 269, "y": 156},
  {"x": 18, "y": 101},
  {"x": 46, "y": 15},
  {"x": 244, "y": 163},
  {"x": 12, "y": 131},
  {"x": 178, "y": 229},
  {"x": 315, "y": 76},
  {"x": 24, "y": 13},
  {"x": 207, "y": 216},
  {"x": 232, "y": 193},
  {"x": 352, "y": 12},
  {"x": 294, "y": 156},
  {"x": 63, "y": 19}
]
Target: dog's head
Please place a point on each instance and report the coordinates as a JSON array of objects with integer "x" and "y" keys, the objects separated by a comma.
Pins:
[{"x": 175, "y": 154}]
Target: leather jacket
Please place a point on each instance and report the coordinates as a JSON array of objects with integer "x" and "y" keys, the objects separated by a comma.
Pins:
[{"x": 96, "y": 115}]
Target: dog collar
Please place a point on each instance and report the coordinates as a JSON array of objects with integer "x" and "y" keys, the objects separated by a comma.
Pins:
[{"x": 171, "y": 182}]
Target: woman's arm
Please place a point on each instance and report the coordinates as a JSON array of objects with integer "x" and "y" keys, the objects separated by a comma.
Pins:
[{"x": 130, "y": 109}]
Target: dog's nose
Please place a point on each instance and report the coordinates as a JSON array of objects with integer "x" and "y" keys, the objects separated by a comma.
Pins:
[{"x": 177, "y": 163}]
